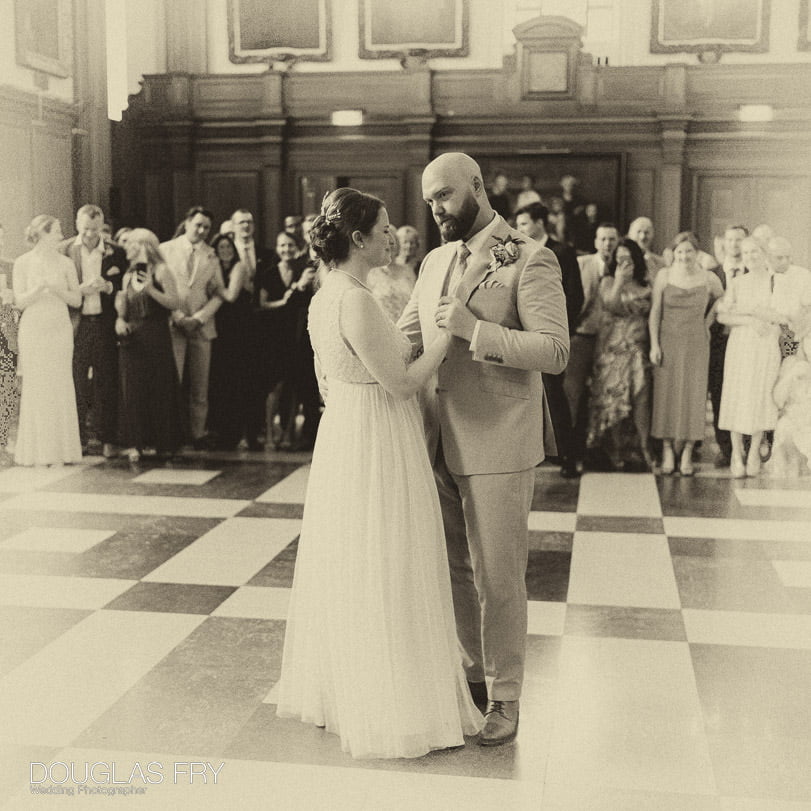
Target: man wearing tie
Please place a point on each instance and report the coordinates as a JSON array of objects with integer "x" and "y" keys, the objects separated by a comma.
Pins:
[
  {"x": 719, "y": 334},
  {"x": 500, "y": 295},
  {"x": 100, "y": 266},
  {"x": 581, "y": 360},
  {"x": 197, "y": 274}
]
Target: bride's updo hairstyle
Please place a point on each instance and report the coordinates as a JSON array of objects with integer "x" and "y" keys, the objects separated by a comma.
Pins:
[
  {"x": 343, "y": 212},
  {"x": 41, "y": 224}
]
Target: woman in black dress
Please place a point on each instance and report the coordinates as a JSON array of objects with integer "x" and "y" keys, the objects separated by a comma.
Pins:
[
  {"x": 232, "y": 361},
  {"x": 150, "y": 392}
]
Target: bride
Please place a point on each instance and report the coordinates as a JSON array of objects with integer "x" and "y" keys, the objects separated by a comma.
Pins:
[{"x": 371, "y": 651}]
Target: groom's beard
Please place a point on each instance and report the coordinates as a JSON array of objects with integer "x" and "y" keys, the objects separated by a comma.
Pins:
[{"x": 454, "y": 227}]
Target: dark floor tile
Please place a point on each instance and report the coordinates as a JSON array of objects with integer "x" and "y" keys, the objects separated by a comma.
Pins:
[
  {"x": 625, "y": 623},
  {"x": 702, "y": 497},
  {"x": 26, "y": 630},
  {"x": 754, "y": 691},
  {"x": 743, "y": 550},
  {"x": 618, "y": 523},
  {"x": 200, "y": 696},
  {"x": 264, "y": 510},
  {"x": 133, "y": 553},
  {"x": 551, "y": 541},
  {"x": 548, "y": 576},
  {"x": 177, "y": 598},
  {"x": 279, "y": 572},
  {"x": 728, "y": 584},
  {"x": 554, "y": 494}
]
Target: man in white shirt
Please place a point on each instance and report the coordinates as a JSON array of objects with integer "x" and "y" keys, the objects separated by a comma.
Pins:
[{"x": 100, "y": 266}]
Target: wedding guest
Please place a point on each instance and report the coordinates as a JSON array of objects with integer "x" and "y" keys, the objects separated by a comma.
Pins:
[
  {"x": 499, "y": 196},
  {"x": 278, "y": 322},
  {"x": 45, "y": 285},
  {"x": 752, "y": 358},
  {"x": 371, "y": 569},
  {"x": 719, "y": 334},
  {"x": 531, "y": 221},
  {"x": 641, "y": 231},
  {"x": 9, "y": 381},
  {"x": 792, "y": 283},
  {"x": 198, "y": 280},
  {"x": 150, "y": 389},
  {"x": 791, "y": 453},
  {"x": 100, "y": 265},
  {"x": 392, "y": 285},
  {"x": 581, "y": 356},
  {"x": 620, "y": 386},
  {"x": 120, "y": 237},
  {"x": 409, "y": 255},
  {"x": 527, "y": 195},
  {"x": 234, "y": 358},
  {"x": 682, "y": 310}
]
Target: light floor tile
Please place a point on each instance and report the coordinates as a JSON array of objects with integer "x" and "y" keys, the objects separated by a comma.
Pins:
[
  {"x": 545, "y": 618},
  {"x": 290, "y": 490},
  {"x": 794, "y": 573},
  {"x": 622, "y": 569},
  {"x": 737, "y": 529},
  {"x": 760, "y": 804},
  {"x": 48, "y": 591},
  {"x": 746, "y": 628},
  {"x": 25, "y": 479},
  {"x": 751, "y": 497},
  {"x": 180, "y": 476},
  {"x": 52, "y": 696},
  {"x": 619, "y": 494},
  {"x": 575, "y": 798},
  {"x": 628, "y": 717},
  {"x": 256, "y": 602},
  {"x": 230, "y": 554},
  {"x": 253, "y": 784},
  {"x": 57, "y": 539},
  {"x": 126, "y": 505},
  {"x": 552, "y": 521}
]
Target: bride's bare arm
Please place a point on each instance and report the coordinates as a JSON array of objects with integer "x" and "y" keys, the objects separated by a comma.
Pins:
[{"x": 364, "y": 325}]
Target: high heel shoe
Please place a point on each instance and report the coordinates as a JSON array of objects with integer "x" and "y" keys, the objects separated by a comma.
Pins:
[
  {"x": 668, "y": 462},
  {"x": 686, "y": 465},
  {"x": 737, "y": 467}
]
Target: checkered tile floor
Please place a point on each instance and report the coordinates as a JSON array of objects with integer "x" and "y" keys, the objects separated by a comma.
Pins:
[{"x": 142, "y": 615}]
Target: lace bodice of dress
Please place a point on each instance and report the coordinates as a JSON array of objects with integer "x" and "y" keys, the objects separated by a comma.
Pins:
[{"x": 337, "y": 360}]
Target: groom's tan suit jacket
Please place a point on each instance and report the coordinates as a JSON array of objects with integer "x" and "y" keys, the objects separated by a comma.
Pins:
[{"x": 488, "y": 405}]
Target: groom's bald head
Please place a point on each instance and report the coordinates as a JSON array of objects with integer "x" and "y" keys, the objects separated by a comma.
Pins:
[{"x": 453, "y": 188}]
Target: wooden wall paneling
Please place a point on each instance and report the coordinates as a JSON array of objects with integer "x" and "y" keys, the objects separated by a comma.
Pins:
[
  {"x": 641, "y": 194},
  {"x": 272, "y": 215},
  {"x": 223, "y": 192},
  {"x": 17, "y": 203},
  {"x": 785, "y": 204},
  {"x": 52, "y": 174}
]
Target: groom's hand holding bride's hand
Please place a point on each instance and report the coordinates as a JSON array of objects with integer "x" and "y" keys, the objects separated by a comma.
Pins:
[{"x": 455, "y": 317}]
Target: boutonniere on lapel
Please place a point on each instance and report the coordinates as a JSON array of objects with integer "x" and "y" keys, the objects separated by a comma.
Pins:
[{"x": 505, "y": 251}]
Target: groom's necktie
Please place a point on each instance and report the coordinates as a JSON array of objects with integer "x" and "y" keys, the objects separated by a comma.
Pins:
[{"x": 462, "y": 254}]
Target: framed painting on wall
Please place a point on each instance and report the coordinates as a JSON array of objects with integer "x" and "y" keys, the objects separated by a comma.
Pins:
[
  {"x": 278, "y": 31},
  {"x": 804, "y": 40},
  {"x": 428, "y": 28},
  {"x": 44, "y": 35},
  {"x": 700, "y": 26}
]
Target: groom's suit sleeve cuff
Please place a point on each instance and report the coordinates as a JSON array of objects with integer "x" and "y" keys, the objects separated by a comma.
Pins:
[{"x": 475, "y": 337}]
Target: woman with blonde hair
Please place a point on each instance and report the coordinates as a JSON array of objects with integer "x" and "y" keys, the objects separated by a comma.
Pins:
[
  {"x": 45, "y": 284},
  {"x": 682, "y": 310},
  {"x": 150, "y": 406}
]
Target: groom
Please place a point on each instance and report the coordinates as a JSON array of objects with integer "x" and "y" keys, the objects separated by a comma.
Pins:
[{"x": 500, "y": 295}]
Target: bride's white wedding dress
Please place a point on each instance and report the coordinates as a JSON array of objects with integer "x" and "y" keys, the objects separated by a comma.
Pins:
[{"x": 370, "y": 651}]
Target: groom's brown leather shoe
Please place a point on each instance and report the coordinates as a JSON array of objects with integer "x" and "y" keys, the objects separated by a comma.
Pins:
[{"x": 500, "y": 723}]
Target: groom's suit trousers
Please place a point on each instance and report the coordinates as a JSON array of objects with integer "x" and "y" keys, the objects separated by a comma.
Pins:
[{"x": 485, "y": 518}]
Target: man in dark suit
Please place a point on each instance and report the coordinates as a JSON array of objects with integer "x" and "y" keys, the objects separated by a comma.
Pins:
[
  {"x": 531, "y": 220},
  {"x": 100, "y": 266}
]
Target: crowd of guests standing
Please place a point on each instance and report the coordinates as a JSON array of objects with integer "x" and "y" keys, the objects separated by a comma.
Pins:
[
  {"x": 652, "y": 336},
  {"x": 128, "y": 343},
  {"x": 112, "y": 344}
]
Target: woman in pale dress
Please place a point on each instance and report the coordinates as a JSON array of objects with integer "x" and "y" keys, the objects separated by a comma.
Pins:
[
  {"x": 45, "y": 283},
  {"x": 392, "y": 284},
  {"x": 752, "y": 360},
  {"x": 682, "y": 309},
  {"x": 370, "y": 651}
]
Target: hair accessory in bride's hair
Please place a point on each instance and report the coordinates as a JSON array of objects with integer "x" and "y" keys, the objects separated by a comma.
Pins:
[{"x": 330, "y": 213}]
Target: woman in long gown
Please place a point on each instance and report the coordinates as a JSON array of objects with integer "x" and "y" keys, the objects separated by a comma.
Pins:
[
  {"x": 620, "y": 384},
  {"x": 752, "y": 360},
  {"x": 371, "y": 651},
  {"x": 682, "y": 310},
  {"x": 45, "y": 283},
  {"x": 150, "y": 410}
]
